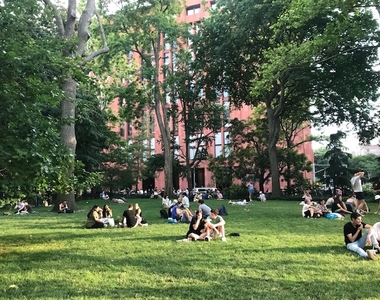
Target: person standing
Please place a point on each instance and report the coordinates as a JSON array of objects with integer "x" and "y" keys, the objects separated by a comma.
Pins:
[
  {"x": 354, "y": 239},
  {"x": 357, "y": 188},
  {"x": 251, "y": 189}
]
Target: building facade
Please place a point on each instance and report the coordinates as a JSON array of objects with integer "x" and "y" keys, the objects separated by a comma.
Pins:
[{"x": 201, "y": 177}]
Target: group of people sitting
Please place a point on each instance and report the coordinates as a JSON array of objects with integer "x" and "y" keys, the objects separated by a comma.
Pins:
[
  {"x": 100, "y": 218},
  {"x": 205, "y": 228},
  {"x": 334, "y": 205},
  {"x": 23, "y": 208}
]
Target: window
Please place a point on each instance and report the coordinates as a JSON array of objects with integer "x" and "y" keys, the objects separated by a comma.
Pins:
[
  {"x": 218, "y": 144},
  {"x": 192, "y": 148},
  {"x": 166, "y": 59},
  {"x": 122, "y": 129},
  {"x": 176, "y": 145},
  {"x": 152, "y": 124},
  {"x": 227, "y": 144},
  {"x": 129, "y": 129},
  {"x": 152, "y": 146},
  {"x": 212, "y": 4},
  {"x": 167, "y": 44},
  {"x": 226, "y": 115},
  {"x": 193, "y": 10}
]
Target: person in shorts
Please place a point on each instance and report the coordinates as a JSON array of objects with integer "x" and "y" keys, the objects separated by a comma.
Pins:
[
  {"x": 215, "y": 226},
  {"x": 357, "y": 188}
]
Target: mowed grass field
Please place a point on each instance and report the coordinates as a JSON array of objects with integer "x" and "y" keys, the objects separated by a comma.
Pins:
[{"x": 279, "y": 255}]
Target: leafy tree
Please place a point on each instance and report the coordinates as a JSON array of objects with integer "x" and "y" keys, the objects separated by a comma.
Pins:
[
  {"x": 367, "y": 162},
  {"x": 31, "y": 155},
  {"x": 338, "y": 171},
  {"x": 76, "y": 34},
  {"x": 320, "y": 164},
  {"x": 290, "y": 54},
  {"x": 144, "y": 28},
  {"x": 198, "y": 111}
]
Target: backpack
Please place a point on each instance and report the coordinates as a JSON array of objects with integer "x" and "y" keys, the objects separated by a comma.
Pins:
[
  {"x": 164, "y": 213},
  {"x": 223, "y": 211}
]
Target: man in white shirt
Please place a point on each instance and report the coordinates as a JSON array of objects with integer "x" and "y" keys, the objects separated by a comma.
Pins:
[
  {"x": 357, "y": 188},
  {"x": 185, "y": 201}
]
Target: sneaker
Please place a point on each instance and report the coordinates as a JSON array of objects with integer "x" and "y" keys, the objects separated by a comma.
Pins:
[
  {"x": 224, "y": 239},
  {"x": 145, "y": 224},
  {"x": 371, "y": 255},
  {"x": 207, "y": 239},
  {"x": 183, "y": 240}
]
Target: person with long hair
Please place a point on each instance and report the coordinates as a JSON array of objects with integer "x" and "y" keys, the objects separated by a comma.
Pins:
[
  {"x": 93, "y": 218},
  {"x": 339, "y": 206},
  {"x": 138, "y": 214},
  {"x": 107, "y": 211}
]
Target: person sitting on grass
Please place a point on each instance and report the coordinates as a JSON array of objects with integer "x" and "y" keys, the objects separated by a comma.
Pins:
[
  {"x": 138, "y": 214},
  {"x": 93, "y": 218},
  {"x": 215, "y": 226},
  {"x": 339, "y": 206},
  {"x": 308, "y": 208},
  {"x": 178, "y": 214},
  {"x": 19, "y": 207},
  {"x": 321, "y": 209},
  {"x": 206, "y": 210},
  {"x": 197, "y": 225},
  {"x": 356, "y": 241},
  {"x": 63, "y": 207},
  {"x": 129, "y": 218},
  {"x": 107, "y": 217}
]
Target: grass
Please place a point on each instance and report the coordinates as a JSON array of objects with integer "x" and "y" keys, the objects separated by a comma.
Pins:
[{"x": 279, "y": 255}]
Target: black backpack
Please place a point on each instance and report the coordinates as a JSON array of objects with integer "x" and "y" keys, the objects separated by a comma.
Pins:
[
  {"x": 164, "y": 213},
  {"x": 223, "y": 211}
]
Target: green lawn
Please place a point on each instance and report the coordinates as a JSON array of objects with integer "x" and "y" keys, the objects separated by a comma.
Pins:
[{"x": 279, "y": 255}]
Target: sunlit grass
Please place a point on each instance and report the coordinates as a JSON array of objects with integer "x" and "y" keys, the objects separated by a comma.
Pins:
[{"x": 279, "y": 255}]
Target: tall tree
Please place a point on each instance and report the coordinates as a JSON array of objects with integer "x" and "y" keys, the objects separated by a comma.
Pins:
[
  {"x": 337, "y": 171},
  {"x": 197, "y": 110},
  {"x": 144, "y": 28},
  {"x": 76, "y": 33},
  {"x": 294, "y": 54},
  {"x": 31, "y": 155}
]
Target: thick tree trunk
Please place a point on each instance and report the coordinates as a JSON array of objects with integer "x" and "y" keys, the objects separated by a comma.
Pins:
[
  {"x": 161, "y": 114},
  {"x": 273, "y": 135},
  {"x": 68, "y": 137}
]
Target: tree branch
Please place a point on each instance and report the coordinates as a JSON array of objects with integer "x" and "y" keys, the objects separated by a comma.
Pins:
[{"x": 58, "y": 18}]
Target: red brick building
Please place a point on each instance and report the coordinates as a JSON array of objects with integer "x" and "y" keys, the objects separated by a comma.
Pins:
[{"x": 202, "y": 177}]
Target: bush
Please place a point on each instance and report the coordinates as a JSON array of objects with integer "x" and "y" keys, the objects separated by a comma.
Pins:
[{"x": 235, "y": 191}]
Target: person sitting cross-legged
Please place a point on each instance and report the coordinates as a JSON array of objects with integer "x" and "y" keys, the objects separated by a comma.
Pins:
[
  {"x": 196, "y": 228},
  {"x": 215, "y": 226},
  {"x": 93, "y": 218},
  {"x": 354, "y": 239},
  {"x": 178, "y": 214},
  {"x": 63, "y": 207}
]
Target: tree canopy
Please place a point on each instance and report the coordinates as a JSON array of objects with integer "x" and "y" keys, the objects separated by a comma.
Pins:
[{"x": 290, "y": 54}]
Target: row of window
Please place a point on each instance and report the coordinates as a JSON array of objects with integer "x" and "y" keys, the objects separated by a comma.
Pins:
[{"x": 196, "y": 9}]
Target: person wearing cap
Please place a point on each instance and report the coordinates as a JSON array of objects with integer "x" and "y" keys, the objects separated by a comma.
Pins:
[
  {"x": 356, "y": 241},
  {"x": 357, "y": 188}
]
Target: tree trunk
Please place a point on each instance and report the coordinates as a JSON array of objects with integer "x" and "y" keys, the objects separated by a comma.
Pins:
[
  {"x": 68, "y": 137},
  {"x": 273, "y": 135},
  {"x": 161, "y": 114}
]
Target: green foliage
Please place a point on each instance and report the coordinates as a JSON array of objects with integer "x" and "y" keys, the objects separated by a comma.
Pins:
[
  {"x": 235, "y": 191},
  {"x": 31, "y": 73},
  {"x": 288, "y": 55},
  {"x": 367, "y": 162},
  {"x": 338, "y": 172}
]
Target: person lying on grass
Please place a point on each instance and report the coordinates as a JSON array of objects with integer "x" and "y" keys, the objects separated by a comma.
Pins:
[
  {"x": 94, "y": 218},
  {"x": 356, "y": 241},
  {"x": 215, "y": 226},
  {"x": 242, "y": 203}
]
